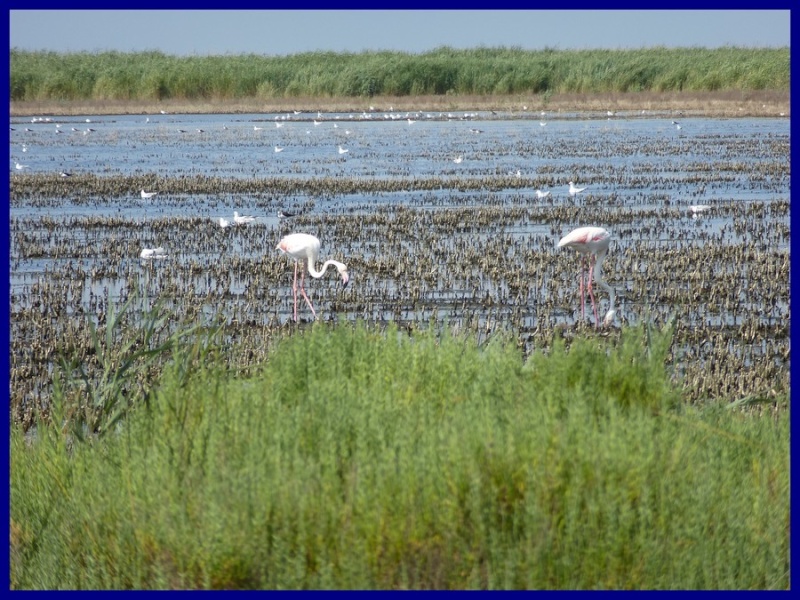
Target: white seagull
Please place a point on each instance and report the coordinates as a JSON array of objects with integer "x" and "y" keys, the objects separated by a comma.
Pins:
[
  {"x": 458, "y": 159},
  {"x": 224, "y": 223},
  {"x": 19, "y": 167},
  {"x": 153, "y": 253},
  {"x": 243, "y": 219},
  {"x": 278, "y": 149},
  {"x": 147, "y": 195},
  {"x": 574, "y": 190},
  {"x": 343, "y": 150},
  {"x": 540, "y": 194},
  {"x": 696, "y": 209}
]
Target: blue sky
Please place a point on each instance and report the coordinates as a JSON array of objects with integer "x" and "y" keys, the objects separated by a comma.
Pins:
[{"x": 280, "y": 32}]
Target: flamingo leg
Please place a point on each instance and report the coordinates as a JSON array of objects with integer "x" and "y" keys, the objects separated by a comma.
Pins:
[
  {"x": 580, "y": 283},
  {"x": 294, "y": 291},
  {"x": 591, "y": 293},
  {"x": 303, "y": 291}
]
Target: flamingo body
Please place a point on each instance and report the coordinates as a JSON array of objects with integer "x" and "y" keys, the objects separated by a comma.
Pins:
[
  {"x": 592, "y": 243},
  {"x": 305, "y": 247}
]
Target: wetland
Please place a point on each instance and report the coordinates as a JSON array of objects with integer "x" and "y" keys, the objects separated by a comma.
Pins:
[{"x": 433, "y": 211}]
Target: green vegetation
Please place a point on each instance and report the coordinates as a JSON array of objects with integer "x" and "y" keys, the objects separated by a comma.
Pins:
[
  {"x": 148, "y": 76},
  {"x": 366, "y": 458}
]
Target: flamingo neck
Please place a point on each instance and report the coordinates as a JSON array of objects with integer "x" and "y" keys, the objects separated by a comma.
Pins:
[{"x": 317, "y": 274}]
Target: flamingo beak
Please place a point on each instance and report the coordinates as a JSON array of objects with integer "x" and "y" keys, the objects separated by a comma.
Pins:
[{"x": 345, "y": 279}]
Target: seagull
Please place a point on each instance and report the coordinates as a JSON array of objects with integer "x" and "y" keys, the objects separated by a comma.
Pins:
[
  {"x": 316, "y": 123},
  {"x": 540, "y": 194},
  {"x": 153, "y": 253},
  {"x": 542, "y": 124},
  {"x": 696, "y": 209},
  {"x": 343, "y": 150},
  {"x": 458, "y": 159},
  {"x": 573, "y": 191},
  {"x": 224, "y": 223},
  {"x": 19, "y": 167},
  {"x": 65, "y": 174},
  {"x": 677, "y": 126},
  {"x": 410, "y": 122},
  {"x": 243, "y": 219},
  {"x": 257, "y": 128},
  {"x": 278, "y": 149},
  {"x": 277, "y": 125},
  {"x": 286, "y": 215},
  {"x": 147, "y": 195}
]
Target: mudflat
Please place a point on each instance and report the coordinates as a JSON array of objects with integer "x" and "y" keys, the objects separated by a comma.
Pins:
[{"x": 765, "y": 103}]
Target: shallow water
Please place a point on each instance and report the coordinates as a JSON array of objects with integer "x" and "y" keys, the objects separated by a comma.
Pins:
[{"x": 424, "y": 237}]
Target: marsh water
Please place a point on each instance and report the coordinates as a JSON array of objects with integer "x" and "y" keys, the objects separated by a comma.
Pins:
[{"x": 435, "y": 214}]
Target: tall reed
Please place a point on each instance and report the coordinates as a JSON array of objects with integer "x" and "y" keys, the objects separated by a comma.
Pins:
[{"x": 148, "y": 76}]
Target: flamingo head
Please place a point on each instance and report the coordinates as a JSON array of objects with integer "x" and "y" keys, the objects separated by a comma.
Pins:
[{"x": 345, "y": 276}]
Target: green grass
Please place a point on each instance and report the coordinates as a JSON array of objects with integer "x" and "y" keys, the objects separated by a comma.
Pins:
[
  {"x": 148, "y": 76},
  {"x": 366, "y": 458}
]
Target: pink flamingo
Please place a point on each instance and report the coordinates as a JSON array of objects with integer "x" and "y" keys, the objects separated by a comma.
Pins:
[
  {"x": 303, "y": 246},
  {"x": 592, "y": 244}
]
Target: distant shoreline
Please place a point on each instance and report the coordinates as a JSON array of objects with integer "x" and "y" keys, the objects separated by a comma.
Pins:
[{"x": 768, "y": 103}]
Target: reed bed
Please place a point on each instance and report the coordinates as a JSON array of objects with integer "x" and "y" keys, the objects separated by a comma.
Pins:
[
  {"x": 367, "y": 457},
  {"x": 148, "y": 76}
]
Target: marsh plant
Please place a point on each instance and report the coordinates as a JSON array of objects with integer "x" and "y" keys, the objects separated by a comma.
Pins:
[
  {"x": 96, "y": 387},
  {"x": 366, "y": 457}
]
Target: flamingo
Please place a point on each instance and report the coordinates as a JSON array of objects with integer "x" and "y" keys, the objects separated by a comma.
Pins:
[
  {"x": 574, "y": 191},
  {"x": 304, "y": 246},
  {"x": 592, "y": 244}
]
